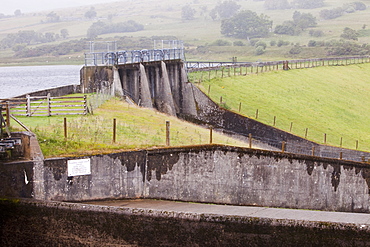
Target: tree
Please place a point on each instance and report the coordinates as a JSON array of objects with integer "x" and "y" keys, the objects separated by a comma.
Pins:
[
  {"x": 64, "y": 33},
  {"x": 287, "y": 28},
  {"x": 246, "y": 24},
  {"x": 18, "y": 12},
  {"x": 224, "y": 10},
  {"x": 90, "y": 14},
  {"x": 187, "y": 13},
  {"x": 52, "y": 17},
  {"x": 349, "y": 33},
  {"x": 304, "y": 20},
  {"x": 308, "y": 4},
  {"x": 327, "y": 14},
  {"x": 276, "y": 4}
]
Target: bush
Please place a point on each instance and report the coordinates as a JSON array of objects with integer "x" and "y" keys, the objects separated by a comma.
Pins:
[
  {"x": 282, "y": 43},
  {"x": 312, "y": 43},
  {"x": 259, "y": 50},
  {"x": 221, "y": 42},
  {"x": 273, "y": 42},
  {"x": 238, "y": 43},
  {"x": 316, "y": 33},
  {"x": 295, "y": 50},
  {"x": 253, "y": 42},
  {"x": 261, "y": 43}
]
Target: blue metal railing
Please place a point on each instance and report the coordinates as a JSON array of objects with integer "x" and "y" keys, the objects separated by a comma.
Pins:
[{"x": 135, "y": 56}]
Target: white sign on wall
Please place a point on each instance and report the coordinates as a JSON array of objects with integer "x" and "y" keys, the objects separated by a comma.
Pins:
[{"x": 78, "y": 167}]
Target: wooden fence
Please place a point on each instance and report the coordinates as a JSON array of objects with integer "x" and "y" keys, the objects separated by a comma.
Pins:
[{"x": 45, "y": 105}]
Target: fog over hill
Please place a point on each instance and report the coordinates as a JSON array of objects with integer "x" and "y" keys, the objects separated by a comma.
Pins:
[{"x": 26, "y": 6}]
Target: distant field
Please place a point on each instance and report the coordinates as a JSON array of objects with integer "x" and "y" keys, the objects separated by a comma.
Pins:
[
  {"x": 163, "y": 18},
  {"x": 326, "y": 100}
]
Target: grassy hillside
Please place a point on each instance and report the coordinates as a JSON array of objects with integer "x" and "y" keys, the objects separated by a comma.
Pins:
[
  {"x": 136, "y": 128},
  {"x": 163, "y": 18},
  {"x": 331, "y": 100}
]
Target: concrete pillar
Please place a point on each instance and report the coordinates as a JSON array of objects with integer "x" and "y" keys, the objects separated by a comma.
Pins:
[
  {"x": 117, "y": 89},
  {"x": 188, "y": 100},
  {"x": 38, "y": 169},
  {"x": 167, "y": 104},
  {"x": 145, "y": 96}
]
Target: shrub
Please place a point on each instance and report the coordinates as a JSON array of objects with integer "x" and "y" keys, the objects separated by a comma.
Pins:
[
  {"x": 261, "y": 43},
  {"x": 220, "y": 42},
  {"x": 295, "y": 50},
  {"x": 259, "y": 50},
  {"x": 312, "y": 43},
  {"x": 238, "y": 43}
]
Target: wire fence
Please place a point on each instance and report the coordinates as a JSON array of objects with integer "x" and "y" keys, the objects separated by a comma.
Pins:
[{"x": 199, "y": 71}]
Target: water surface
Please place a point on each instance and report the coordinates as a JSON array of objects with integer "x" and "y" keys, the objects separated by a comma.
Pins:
[{"x": 18, "y": 80}]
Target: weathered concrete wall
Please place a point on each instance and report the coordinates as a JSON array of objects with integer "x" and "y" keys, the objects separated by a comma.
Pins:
[
  {"x": 30, "y": 223},
  {"x": 55, "y": 92},
  {"x": 254, "y": 177},
  {"x": 16, "y": 179},
  {"x": 112, "y": 176},
  {"x": 216, "y": 174}
]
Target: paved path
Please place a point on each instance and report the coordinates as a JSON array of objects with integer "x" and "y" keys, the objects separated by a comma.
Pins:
[{"x": 360, "y": 219}]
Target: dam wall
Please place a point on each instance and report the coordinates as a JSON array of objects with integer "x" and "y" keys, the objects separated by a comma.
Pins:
[{"x": 209, "y": 174}]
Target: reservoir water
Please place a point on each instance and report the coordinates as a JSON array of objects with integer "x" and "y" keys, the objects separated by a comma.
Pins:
[{"x": 18, "y": 80}]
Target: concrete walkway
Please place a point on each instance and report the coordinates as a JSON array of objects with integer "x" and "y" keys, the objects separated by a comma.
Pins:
[{"x": 361, "y": 220}]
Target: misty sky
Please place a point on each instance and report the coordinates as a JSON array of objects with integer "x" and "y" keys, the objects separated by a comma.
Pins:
[{"x": 9, "y": 6}]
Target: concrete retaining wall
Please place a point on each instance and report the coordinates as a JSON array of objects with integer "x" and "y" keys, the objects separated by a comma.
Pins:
[
  {"x": 215, "y": 174},
  {"x": 30, "y": 223}
]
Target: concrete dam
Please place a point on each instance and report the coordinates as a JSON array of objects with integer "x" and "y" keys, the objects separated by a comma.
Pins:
[{"x": 233, "y": 178}]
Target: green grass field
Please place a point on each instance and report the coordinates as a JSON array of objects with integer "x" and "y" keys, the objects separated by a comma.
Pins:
[
  {"x": 136, "y": 128},
  {"x": 326, "y": 100}
]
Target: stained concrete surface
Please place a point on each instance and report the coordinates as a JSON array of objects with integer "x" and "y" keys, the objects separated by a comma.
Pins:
[{"x": 359, "y": 219}]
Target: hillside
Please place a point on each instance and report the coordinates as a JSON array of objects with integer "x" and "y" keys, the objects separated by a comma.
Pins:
[
  {"x": 164, "y": 20},
  {"x": 326, "y": 100}
]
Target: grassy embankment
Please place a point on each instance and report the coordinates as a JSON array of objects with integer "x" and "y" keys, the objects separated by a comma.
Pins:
[
  {"x": 326, "y": 100},
  {"x": 136, "y": 128}
]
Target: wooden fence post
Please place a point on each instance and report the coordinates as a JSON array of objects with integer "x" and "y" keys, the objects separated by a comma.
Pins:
[
  {"x": 313, "y": 151},
  {"x": 65, "y": 129},
  {"x": 283, "y": 146},
  {"x": 28, "y": 107},
  {"x": 114, "y": 130},
  {"x": 305, "y": 136},
  {"x": 341, "y": 141},
  {"x": 356, "y": 144},
  {"x": 240, "y": 106},
  {"x": 257, "y": 114},
  {"x": 250, "y": 140},
  {"x": 168, "y": 133},
  {"x": 48, "y": 104},
  {"x": 85, "y": 104},
  {"x": 325, "y": 138},
  {"x": 7, "y": 111},
  {"x": 210, "y": 135},
  {"x": 291, "y": 126},
  {"x": 274, "y": 120}
]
